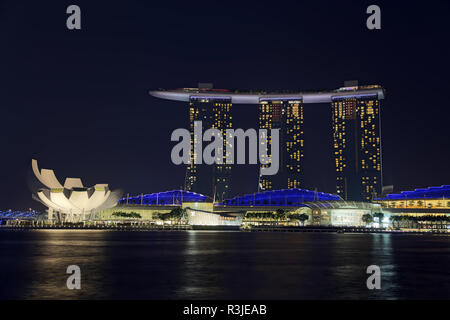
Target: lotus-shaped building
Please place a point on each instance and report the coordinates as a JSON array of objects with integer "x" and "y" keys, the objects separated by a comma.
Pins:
[{"x": 72, "y": 202}]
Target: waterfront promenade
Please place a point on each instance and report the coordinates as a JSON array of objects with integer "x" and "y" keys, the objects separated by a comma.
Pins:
[{"x": 267, "y": 228}]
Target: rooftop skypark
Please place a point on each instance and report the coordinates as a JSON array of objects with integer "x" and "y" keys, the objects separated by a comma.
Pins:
[{"x": 254, "y": 97}]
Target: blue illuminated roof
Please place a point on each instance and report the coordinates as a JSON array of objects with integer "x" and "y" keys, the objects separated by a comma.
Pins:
[
  {"x": 284, "y": 197},
  {"x": 17, "y": 214},
  {"x": 422, "y": 193},
  {"x": 174, "y": 197}
]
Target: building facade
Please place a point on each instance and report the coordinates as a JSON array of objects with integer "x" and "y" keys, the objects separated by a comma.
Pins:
[
  {"x": 263, "y": 208},
  {"x": 422, "y": 198},
  {"x": 357, "y": 146},
  {"x": 423, "y": 208},
  {"x": 211, "y": 180},
  {"x": 287, "y": 116}
]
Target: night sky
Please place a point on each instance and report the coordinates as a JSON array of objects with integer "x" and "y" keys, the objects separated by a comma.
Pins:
[{"x": 78, "y": 100}]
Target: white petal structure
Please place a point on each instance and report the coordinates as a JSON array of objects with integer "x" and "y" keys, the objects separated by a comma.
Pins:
[
  {"x": 46, "y": 177},
  {"x": 73, "y": 200},
  {"x": 73, "y": 183}
]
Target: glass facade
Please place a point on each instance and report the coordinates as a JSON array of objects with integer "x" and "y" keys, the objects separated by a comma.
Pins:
[
  {"x": 212, "y": 180},
  {"x": 286, "y": 115},
  {"x": 432, "y": 197},
  {"x": 357, "y": 146}
]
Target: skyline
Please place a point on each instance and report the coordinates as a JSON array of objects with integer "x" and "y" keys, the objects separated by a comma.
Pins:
[
  {"x": 224, "y": 159},
  {"x": 79, "y": 101}
]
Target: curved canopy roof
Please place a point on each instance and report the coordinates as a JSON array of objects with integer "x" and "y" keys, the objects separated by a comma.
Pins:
[
  {"x": 17, "y": 214},
  {"x": 343, "y": 204},
  {"x": 173, "y": 197},
  {"x": 423, "y": 193},
  {"x": 284, "y": 197}
]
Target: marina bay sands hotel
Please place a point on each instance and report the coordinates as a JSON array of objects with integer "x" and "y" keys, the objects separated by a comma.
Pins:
[{"x": 355, "y": 128}]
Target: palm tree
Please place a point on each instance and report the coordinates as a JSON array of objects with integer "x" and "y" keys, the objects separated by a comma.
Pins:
[
  {"x": 303, "y": 217},
  {"x": 367, "y": 218},
  {"x": 281, "y": 214},
  {"x": 395, "y": 219},
  {"x": 178, "y": 214},
  {"x": 409, "y": 220}
]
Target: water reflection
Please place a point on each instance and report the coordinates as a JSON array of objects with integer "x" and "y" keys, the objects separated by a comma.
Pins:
[
  {"x": 382, "y": 256},
  {"x": 42, "y": 257},
  {"x": 221, "y": 265}
]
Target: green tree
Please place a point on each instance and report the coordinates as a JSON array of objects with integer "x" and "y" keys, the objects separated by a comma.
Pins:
[
  {"x": 178, "y": 214},
  {"x": 280, "y": 214},
  {"x": 299, "y": 217},
  {"x": 367, "y": 218},
  {"x": 396, "y": 219},
  {"x": 122, "y": 214},
  {"x": 303, "y": 217}
]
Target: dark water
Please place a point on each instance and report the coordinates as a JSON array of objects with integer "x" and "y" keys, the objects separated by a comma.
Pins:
[{"x": 221, "y": 265}]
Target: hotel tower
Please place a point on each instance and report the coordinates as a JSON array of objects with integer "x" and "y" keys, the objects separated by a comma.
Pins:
[
  {"x": 287, "y": 116},
  {"x": 211, "y": 180},
  {"x": 356, "y": 136},
  {"x": 357, "y": 145}
]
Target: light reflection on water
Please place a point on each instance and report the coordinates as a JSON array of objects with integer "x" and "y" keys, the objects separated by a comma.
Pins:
[{"x": 221, "y": 265}]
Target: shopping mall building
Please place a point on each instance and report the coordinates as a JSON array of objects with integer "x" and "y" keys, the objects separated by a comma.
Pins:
[
  {"x": 322, "y": 209},
  {"x": 427, "y": 208}
]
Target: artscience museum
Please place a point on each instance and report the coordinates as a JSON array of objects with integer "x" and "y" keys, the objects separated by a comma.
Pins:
[{"x": 71, "y": 202}]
